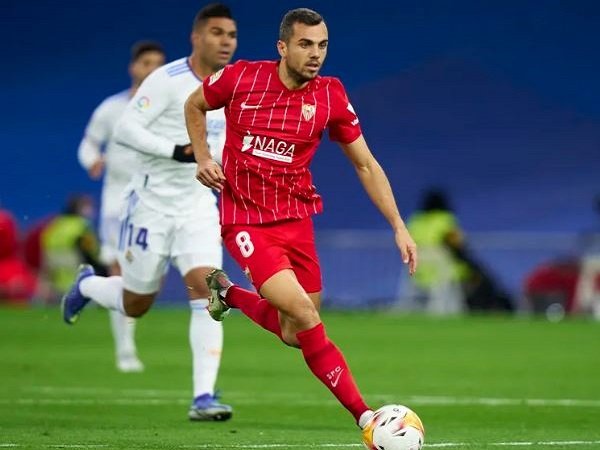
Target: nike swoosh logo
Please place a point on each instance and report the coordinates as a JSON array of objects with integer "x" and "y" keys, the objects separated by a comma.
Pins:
[
  {"x": 245, "y": 106},
  {"x": 334, "y": 383}
]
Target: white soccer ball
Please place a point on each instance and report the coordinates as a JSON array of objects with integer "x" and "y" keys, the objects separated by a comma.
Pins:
[{"x": 394, "y": 427}]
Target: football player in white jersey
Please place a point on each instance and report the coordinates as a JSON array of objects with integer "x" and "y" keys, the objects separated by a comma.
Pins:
[
  {"x": 169, "y": 217},
  {"x": 99, "y": 153}
]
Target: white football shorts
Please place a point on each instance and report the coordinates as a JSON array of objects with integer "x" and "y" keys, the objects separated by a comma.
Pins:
[{"x": 149, "y": 240}]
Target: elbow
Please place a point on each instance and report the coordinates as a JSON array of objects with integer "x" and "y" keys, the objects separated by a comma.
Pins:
[
  {"x": 189, "y": 105},
  {"x": 364, "y": 168},
  {"x": 195, "y": 104},
  {"x": 369, "y": 169},
  {"x": 81, "y": 154}
]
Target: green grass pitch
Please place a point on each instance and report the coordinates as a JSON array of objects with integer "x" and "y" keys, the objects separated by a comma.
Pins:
[{"x": 476, "y": 382}]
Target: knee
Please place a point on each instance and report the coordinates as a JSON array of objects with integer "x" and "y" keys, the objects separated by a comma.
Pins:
[
  {"x": 136, "y": 306},
  {"x": 199, "y": 291},
  {"x": 289, "y": 338},
  {"x": 305, "y": 318}
]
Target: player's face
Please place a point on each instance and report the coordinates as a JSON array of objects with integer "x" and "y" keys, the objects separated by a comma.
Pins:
[
  {"x": 305, "y": 52},
  {"x": 215, "y": 42},
  {"x": 145, "y": 64}
]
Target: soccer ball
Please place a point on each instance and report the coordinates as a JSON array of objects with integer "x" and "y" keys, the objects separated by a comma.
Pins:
[{"x": 394, "y": 427}]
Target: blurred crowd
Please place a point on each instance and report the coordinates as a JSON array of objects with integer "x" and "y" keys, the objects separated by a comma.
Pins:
[{"x": 40, "y": 263}]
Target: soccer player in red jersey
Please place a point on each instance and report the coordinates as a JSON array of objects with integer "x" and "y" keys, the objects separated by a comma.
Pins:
[{"x": 276, "y": 113}]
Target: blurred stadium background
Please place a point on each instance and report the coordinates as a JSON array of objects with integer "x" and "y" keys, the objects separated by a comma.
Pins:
[{"x": 497, "y": 102}]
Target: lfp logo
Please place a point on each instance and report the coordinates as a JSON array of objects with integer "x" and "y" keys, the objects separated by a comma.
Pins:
[{"x": 143, "y": 102}]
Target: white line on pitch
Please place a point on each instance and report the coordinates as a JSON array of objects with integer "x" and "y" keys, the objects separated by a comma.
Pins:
[
  {"x": 432, "y": 445},
  {"x": 11, "y": 445},
  {"x": 160, "y": 397},
  {"x": 330, "y": 445},
  {"x": 298, "y": 401},
  {"x": 550, "y": 443},
  {"x": 76, "y": 445}
]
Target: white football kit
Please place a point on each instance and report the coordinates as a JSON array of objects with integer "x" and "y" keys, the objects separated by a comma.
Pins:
[
  {"x": 169, "y": 215},
  {"x": 120, "y": 163}
]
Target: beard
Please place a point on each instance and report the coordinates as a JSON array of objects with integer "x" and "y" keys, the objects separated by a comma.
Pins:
[{"x": 298, "y": 76}]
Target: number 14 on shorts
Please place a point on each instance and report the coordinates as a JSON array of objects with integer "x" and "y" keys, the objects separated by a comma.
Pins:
[{"x": 134, "y": 236}]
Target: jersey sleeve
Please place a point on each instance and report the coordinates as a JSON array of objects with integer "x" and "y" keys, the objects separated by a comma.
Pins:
[
  {"x": 96, "y": 135},
  {"x": 344, "y": 126},
  {"x": 219, "y": 88},
  {"x": 150, "y": 100}
]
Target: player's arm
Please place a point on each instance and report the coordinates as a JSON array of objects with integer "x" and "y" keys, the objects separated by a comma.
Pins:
[
  {"x": 150, "y": 101},
  {"x": 209, "y": 172},
  {"x": 377, "y": 185},
  {"x": 96, "y": 134}
]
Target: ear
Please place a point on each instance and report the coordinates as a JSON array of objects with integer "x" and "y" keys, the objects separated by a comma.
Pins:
[
  {"x": 282, "y": 48},
  {"x": 130, "y": 69},
  {"x": 193, "y": 36}
]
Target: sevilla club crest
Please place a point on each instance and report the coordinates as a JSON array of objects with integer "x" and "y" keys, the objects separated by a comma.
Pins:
[{"x": 308, "y": 111}]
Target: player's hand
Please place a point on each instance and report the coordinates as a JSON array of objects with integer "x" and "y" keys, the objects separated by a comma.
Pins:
[
  {"x": 408, "y": 249},
  {"x": 97, "y": 169},
  {"x": 210, "y": 174}
]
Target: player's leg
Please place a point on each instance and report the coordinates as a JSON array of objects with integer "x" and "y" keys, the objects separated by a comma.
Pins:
[
  {"x": 324, "y": 358},
  {"x": 250, "y": 303},
  {"x": 206, "y": 342},
  {"x": 122, "y": 327},
  {"x": 297, "y": 312},
  {"x": 258, "y": 252},
  {"x": 264, "y": 254},
  {"x": 302, "y": 327},
  {"x": 143, "y": 260},
  {"x": 108, "y": 292},
  {"x": 201, "y": 233}
]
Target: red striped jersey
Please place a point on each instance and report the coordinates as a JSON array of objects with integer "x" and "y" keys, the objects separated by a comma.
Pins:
[{"x": 272, "y": 135}]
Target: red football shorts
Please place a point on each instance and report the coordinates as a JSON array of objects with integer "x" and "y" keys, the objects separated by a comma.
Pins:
[{"x": 263, "y": 250}]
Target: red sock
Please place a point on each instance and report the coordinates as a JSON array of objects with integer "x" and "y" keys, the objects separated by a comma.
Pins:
[
  {"x": 328, "y": 364},
  {"x": 255, "y": 307}
]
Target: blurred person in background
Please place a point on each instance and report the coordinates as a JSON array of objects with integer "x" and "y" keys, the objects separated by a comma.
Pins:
[
  {"x": 436, "y": 231},
  {"x": 18, "y": 283},
  {"x": 169, "y": 217},
  {"x": 449, "y": 277},
  {"x": 100, "y": 154},
  {"x": 587, "y": 291},
  {"x": 67, "y": 240}
]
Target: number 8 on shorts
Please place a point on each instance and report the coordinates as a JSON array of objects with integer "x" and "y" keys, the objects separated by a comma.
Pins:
[{"x": 242, "y": 239}]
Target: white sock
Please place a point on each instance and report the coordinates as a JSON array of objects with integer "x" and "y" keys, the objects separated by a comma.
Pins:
[
  {"x": 123, "y": 329},
  {"x": 364, "y": 418},
  {"x": 106, "y": 291},
  {"x": 206, "y": 340}
]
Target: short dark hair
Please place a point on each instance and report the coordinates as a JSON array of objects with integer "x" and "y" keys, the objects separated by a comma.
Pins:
[
  {"x": 435, "y": 199},
  {"x": 76, "y": 203},
  {"x": 211, "y": 10},
  {"x": 141, "y": 47},
  {"x": 298, "y": 15}
]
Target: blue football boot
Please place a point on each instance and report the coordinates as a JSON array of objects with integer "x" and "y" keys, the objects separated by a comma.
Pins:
[
  {"x": 208, "y": 407},
  {"x": 73, "y": 301}
]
